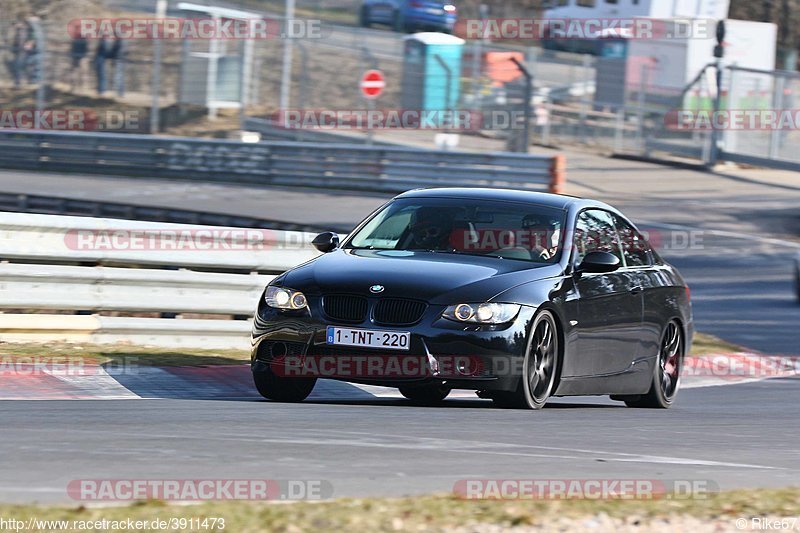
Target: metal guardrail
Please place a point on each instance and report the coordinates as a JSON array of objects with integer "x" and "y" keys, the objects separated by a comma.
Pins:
[
  {"x": 347, "y": 166},
  {"x": 86, "y": 241},
  {"x": 127, "y": 290},
  {"x": 678, "y": 147},
  {"x": 757, "y": 161},
  {"x": 59, "y": 264},
  {"x": 96, "y": 329},
  {"x": 700, "y": 152},
  {"x": 51, "y": 205}
]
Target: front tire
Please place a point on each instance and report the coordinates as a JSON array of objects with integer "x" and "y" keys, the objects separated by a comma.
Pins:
[
  {"x": 666, "y": 372},
  {"x": 539, "y": 369},
  {"x": 426, "y": 395},
  {"x": 281, "y": 389}
]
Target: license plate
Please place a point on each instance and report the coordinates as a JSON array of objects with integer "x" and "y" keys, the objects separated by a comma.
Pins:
[{"x": 368, "y": 338}]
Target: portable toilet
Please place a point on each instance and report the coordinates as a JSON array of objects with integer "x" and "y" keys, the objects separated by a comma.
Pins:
[{"x": 431, "y": 71}]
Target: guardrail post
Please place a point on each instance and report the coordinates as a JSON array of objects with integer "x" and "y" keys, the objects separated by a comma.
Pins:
[
  {"x": 526, "y": 95},
  {"x": 558, "y": 174}
]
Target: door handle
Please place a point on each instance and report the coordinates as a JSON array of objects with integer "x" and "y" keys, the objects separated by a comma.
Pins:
[{"x": 636, "y": 290}]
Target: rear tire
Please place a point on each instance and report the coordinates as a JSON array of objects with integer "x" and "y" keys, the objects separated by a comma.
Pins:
[
  {"x": 281, "y": 389},
  {"x": 426, "y": 395},
  {"x": 539, "y": 369},
  {"x": 666, "y": 372}
]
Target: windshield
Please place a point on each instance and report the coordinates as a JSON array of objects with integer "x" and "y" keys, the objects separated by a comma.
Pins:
[{"x": 508, "y": 230}]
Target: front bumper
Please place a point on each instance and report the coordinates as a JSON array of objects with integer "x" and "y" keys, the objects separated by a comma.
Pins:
[{"x": 441, "y": 351}]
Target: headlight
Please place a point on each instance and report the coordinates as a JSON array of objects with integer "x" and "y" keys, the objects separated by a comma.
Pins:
[
  {"x": 281, "y": 298},
  {"x": 486, "y": 313}
]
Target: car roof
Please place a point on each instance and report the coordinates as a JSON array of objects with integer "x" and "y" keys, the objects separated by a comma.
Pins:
[{"x": 559, "y": 201}]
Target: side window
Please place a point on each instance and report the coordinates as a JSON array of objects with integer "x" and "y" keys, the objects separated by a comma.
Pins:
[
  {"x": 594, "y": 232},
  {"x": 634, "y": 246}
]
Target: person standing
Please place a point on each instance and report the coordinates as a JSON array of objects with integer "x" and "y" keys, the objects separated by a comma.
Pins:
[
  {"x": 100, "y": 56},
  {"x": 30, "y": 54},
  {"x": 77, "y": 52},
  {"x": 17, "y": 63},
  {"x": 117, "y": 53}
]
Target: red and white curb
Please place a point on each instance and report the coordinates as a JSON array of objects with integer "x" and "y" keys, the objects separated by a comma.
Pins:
[
  {"x": 30, "y": 382},
  {"x": 734, "y": 368}
]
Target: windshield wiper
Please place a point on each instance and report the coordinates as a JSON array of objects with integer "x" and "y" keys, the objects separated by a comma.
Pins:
[
  {"x": 478, "y": 254},
  {"x": 453, "y": 251}
]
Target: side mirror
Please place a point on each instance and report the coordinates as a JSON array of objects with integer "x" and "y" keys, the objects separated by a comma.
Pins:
[
  {"x": 326, "y": 242},
  {"x": 598, "y": 263}
]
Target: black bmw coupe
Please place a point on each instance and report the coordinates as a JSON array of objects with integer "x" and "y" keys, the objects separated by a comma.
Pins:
[{"x": 517, "y": 295}]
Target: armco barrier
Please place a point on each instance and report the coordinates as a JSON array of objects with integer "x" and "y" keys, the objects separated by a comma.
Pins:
[
  {"x": 347, "y": 166},
  {"x": 48, "y": 239},
  {"x": 43, "y": 268},
  {"x": 161, "y": 332},
  {"x": 54, "y": 205}
]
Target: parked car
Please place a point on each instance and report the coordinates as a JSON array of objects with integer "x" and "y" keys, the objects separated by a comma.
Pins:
[
  {"x": 409, "y": 15},
  {"x": 517, "y": 295}
]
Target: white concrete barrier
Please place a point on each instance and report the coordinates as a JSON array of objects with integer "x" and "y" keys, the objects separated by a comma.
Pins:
[{"x": 59, "y": 263}]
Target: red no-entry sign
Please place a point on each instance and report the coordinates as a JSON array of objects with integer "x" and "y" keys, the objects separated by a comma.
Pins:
[{"x": 372, "y": 84}]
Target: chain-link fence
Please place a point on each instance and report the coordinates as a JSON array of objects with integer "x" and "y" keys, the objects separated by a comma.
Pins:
[
  {"x": 573, "y": 98},
  {"x": 325, "y": 69},
  {"x": 778, "y": 92},
  {"x": 78, "y": 65}
]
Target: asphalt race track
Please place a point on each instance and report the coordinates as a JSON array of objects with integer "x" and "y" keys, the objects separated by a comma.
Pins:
[
  {"x": 743, "y": 295},
  {"x": 732, "y": 436},
  {"x": 737, "y": 435}
]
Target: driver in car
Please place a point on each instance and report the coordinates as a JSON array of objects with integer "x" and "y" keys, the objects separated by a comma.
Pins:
[
  {"x": 430, "y": 228},
  {"x": 543, "y": 236}
]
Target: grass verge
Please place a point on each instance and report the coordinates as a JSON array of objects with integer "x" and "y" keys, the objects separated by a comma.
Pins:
[
  {"x": 445, "y": 513},
  {"x": 122, "y": 354},
  {"x": 705, "y": 344}
]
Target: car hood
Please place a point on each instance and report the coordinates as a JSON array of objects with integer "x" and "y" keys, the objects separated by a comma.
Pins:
[{"x": 435, "y": 277}]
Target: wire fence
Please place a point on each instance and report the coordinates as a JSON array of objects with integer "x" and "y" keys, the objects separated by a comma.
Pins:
[
  {"x": 575, "y": 98},
  {"x": 324, "y": 71}
]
